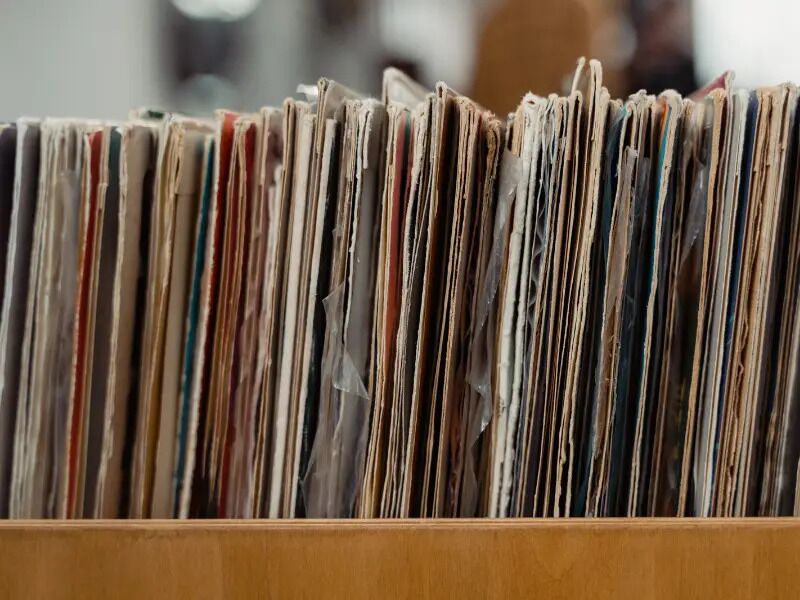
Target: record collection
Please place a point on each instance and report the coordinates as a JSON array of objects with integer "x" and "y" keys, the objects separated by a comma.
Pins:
[{"x": 405, "y": 307}]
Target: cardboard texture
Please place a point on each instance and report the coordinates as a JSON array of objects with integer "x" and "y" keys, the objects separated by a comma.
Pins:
[{"x": 406, "y": 307}]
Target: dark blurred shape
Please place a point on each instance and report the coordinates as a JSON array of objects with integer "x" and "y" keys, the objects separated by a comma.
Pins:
[
  {"x": 663, "y": 57},
  {"x": 200, "y": 46},
  {"x": 528, "y": 46},
  {"x": 204, "y": 53},
  {"x": 338, "y": 14}
]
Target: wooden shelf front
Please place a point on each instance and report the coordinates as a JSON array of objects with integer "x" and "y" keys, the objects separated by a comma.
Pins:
[{"x": 581, "y": 558}]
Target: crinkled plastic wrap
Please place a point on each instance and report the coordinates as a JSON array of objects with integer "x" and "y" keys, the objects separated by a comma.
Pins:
[
  {"x": 336, "y": 463},
  {"x": 696, "y": 219},
  {"x": 311, "y": 92},
  {"x": 479, "y": 376},
  {"x": 691, "y": 271}
]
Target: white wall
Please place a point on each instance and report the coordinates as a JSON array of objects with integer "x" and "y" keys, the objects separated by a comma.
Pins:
[
  {"x": 757, "y": 39},
  {"x": 82, "y": 58},
  {"x": 99, "y": 58}
]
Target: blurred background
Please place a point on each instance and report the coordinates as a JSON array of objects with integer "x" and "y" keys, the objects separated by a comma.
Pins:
[{"x": 98, "y": 58}]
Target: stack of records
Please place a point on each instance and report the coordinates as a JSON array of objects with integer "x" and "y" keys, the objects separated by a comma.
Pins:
[{"x": 405, "y": 307}]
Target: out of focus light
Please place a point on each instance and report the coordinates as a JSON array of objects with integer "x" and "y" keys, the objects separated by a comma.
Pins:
[
  {"x": 758, "y": 40},
  {"x": 437, "y": 35},
  {"x": 223, "y": 10}
]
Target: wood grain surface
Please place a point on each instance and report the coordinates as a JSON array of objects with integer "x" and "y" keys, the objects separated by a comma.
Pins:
[{"x": 656, "y": 558}]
